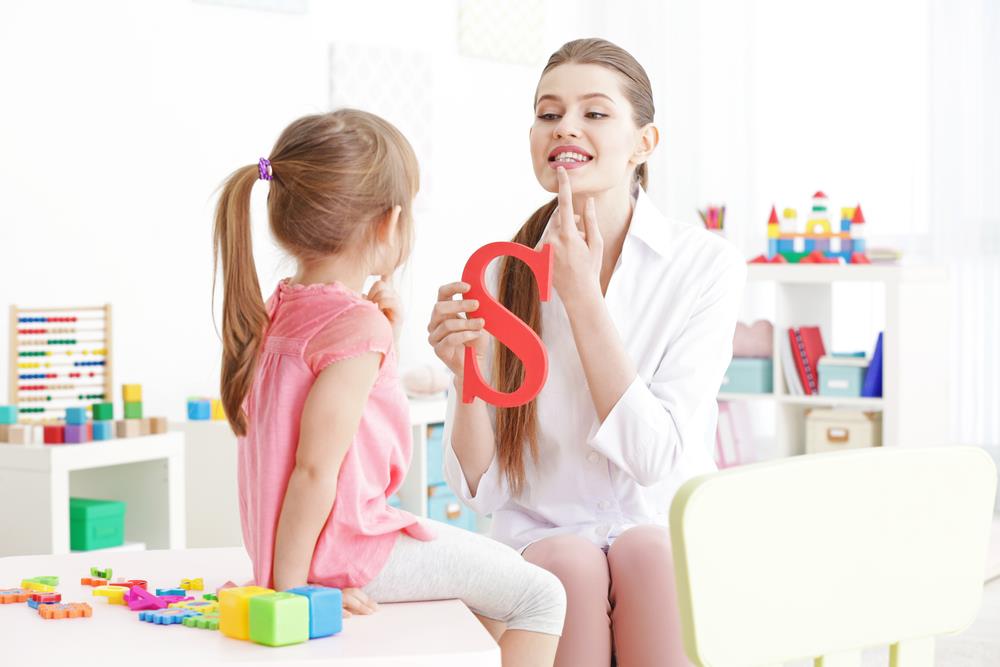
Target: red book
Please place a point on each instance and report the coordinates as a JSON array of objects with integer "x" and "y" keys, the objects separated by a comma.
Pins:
[{"x": 807, "y": 348}]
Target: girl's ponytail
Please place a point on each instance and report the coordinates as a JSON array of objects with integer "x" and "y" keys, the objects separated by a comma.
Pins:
[{"x": 244, "y": 316}]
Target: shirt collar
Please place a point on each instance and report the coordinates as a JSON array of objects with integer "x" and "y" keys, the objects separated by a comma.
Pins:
[{"x": 649, "y": 226}]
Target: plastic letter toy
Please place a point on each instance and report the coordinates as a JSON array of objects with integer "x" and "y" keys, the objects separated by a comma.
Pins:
[
  {"x": 202, "y": 621},
  {"x": 166, "y": 616},
  {"x": 12, "y": 595},
  {"x": 65, "y": 610},
  {"x": 507, "y": 327},
  {"x": 193, "y": 584},
  {"x": 114, "y": 594},
  {"x": 139, "y": 599},
  {"x": 202, "y": 606}
]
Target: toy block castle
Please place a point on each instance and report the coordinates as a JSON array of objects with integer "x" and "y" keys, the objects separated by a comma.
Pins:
[{"x": 816, "y": 242}]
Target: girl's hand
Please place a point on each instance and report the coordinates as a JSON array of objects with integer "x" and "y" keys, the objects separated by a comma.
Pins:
[
  {"x": 357, "y": 602},
  {"x": 385, "y": 296},
  {"x": 577, "y": 249},
  {"x": 451, "y": 331}
]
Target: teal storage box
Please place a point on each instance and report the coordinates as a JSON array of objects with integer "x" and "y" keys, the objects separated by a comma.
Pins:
[
  {"x": 841, "y": 376},
  {"x": 96, "y": 524},
  {"x": 435, "y": 454},
  {"x": 749, "y": 375},
  {"x": 443, "y": 506}
]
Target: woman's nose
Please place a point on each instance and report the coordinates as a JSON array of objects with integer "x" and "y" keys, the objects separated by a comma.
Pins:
[{"x": 565, "y": 129}]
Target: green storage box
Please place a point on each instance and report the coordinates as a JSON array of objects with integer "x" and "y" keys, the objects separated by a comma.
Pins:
[
  {"x": 749, "y": 375},
  {"x": 96, "y": 524},
  {"x": 841, "y": 376}
]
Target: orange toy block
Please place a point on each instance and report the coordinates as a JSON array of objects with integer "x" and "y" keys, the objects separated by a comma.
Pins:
[
  {"x": 65, "y": 610},
  {"x": 89, "y": 581},
  {"x": 12, "y": 595}
]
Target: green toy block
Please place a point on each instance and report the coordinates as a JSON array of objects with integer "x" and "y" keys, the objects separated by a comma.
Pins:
[
  {"x": 203, "y": 621},
  {"x": 101, "y": 574},
  {"x": 103, "y": 412},
  {"x": 48, "y": 581},
  {"x": 210, "y": 596},
  {"x": 133, "y": 410},
  {"x": 279, "y": 619}
]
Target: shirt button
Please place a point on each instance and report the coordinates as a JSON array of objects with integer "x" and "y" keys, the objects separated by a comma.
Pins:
[{"x": 593, "y": 457}]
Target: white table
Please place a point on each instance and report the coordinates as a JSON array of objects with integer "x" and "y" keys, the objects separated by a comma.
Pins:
[
  {"x": 422, "y": 634},
  {"x": 36, "y": 482}
]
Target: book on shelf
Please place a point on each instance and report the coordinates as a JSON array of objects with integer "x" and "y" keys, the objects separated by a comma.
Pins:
[
  {"x": 807, "y": 348},
  {"x": 872, "y": 385},
  {"x": 788, "y": 368}
]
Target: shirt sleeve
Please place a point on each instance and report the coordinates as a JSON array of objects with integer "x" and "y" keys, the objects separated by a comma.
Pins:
[
  {"x": 644, "y": 434},
  {"x": 360, "y": 329}
]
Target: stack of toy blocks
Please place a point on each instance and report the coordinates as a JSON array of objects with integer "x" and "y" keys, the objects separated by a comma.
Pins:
[
  {"x": 10, "y": 431},
  {"x": 134, "y": 424},
  {"x": 280, "y": 618}
]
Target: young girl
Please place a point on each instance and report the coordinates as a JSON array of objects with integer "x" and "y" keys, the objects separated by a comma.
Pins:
[
  {"x": 639, "y": 333},
  {"x": 310, "y": 386}
]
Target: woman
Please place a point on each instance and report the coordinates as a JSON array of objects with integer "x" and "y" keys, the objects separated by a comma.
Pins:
[{"x": 639, "y": 334}]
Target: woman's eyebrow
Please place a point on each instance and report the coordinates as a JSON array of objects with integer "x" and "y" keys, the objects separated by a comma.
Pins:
[{"x": 556, "y": 98}]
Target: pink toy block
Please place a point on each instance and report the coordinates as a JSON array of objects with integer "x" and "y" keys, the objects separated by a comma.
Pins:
[{"x": 138, "y": 599}]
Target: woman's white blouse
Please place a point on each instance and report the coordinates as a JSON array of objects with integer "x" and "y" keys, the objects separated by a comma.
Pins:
[{"x": 674, "y": 297}]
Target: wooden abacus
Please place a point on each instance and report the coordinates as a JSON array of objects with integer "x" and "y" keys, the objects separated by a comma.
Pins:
[{"x": 59, "y": 358}]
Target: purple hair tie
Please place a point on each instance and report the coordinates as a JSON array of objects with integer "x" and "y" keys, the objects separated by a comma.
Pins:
[{"x": 264, "y": 168}]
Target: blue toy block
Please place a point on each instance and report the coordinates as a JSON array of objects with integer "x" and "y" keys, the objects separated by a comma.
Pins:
[
  {"x": 786, "y": 245},
  {"x": 171, "y": 591},
  {"x": 167, "y": 616},
  {"x": 199, "y": 410},
  {"x": 810, "y": 245},
  {"x": 326, "y": 609},
  {"x": 8, "y": 414},
  {"x": 76, "y": 415},
  {"x": 859, "y": 246},
  {"x": 772, "y": 248},
  {"x": 104, "y": 431},
  {"x": 845, "y": 225}
]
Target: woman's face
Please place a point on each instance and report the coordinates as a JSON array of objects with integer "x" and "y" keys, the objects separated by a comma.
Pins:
[{"x": 583, "y": 123}]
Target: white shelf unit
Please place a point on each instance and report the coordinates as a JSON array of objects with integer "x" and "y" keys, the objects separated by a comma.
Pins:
[
  {"x": 36, "y": 482},
  {"x": 914, "y": 403},
  {"x": 213, "y": 514}
]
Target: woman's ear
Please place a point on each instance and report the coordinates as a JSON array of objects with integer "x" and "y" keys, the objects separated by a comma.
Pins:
[
  {"x": 649, "y": 137},
  {"x": 388, "y": 226}
]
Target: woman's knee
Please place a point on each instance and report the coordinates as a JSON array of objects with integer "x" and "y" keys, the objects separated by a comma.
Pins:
[
  {"x": 574, "y": 560},
  {"x": 640, "y": 548}
]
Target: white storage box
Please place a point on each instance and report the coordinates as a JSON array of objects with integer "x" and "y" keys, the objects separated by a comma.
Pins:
[{"x": 830, "y": 430}]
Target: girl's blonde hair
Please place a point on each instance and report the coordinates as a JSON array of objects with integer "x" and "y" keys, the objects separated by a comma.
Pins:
[
  {"x": 516, "y": 428},
  {"x": 334, "y": 178}
]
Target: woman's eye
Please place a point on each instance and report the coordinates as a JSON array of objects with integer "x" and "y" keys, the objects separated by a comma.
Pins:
[
  {"x": 596, "y": 115},
  {"x": 548, "y": 116}
]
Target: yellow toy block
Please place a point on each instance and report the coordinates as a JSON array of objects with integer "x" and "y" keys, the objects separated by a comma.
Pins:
[
  {"x": 132, "y": 393},
  {"x": 29, "y": 585},
  {"x": 234, "y": 610},
  {"x": 218, "y": 412},
  {"x": 773, "y": 231},
  {"x": 193, "y": 584},
  {"x": 202, "y": 606},
  {"x": 114, "y": 594}
]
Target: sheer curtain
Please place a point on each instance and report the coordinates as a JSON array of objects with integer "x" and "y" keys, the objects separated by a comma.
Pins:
[{"x": 965, "y": 219}]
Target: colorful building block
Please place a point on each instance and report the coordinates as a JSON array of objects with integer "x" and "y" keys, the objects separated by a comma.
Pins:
[
  {"x": 103, "y": 430},
  {"x": 166, "y": 616},
  {"x": 158, "y": 425},
  {"x": 202, "y": 606},
  {"x": 210, "y": 596},
  {"x": 100, "y": 574},
  {"x": 54, "y": 434},
  {"x": 45, "y": 598},
  {"x": 16, "y": 434},
  {"x": 133, "y": 410},
  {"x": 114, "y": 594},
  {"x": 171, "y": 591},
  {"x": 128, "y": 428},
  {"x": 234, "y": 610},
  {"x": 193, "y": 584},
  {"x": 326, "y": 609},
  {"x": 103, "y": 412},
  {"x": 279, "y": 619},
  {"x": 203, "y": 621},
  {"x": 199, "y": 409},
  {"x": 139, "y": 599},
  {"x": 13, "y": 595},
  {"x": 132, "y": 393},
  {"x": 76, "y": 433},
  {"x": 31, "y": 585},
  {"x": 8, "y": 414},
  {"x": 76, "y": 416},
  {"x": 92, "y": 581},
  {"x": 65, "y": 610},
  {"x": 218, "y": 412},
  {"x": 145, "y": 427}
]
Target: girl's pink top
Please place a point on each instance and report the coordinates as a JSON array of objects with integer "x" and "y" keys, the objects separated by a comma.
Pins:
[{"x": 313, "y": 326}]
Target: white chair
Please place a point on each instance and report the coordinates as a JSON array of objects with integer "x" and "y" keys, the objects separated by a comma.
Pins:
[{"x": 822, "y": 556}]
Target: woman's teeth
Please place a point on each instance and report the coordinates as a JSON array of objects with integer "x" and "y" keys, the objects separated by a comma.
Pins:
[{"x": 570, "y": 157}]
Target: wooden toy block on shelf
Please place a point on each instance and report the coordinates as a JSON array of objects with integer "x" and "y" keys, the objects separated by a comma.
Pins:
[
  {"x": 145, "y": 427},
  {"x": 158, "y": 425},
  {"x": 279, "y": 619},
  {"x": 15, "y": 435},
  {"x": 55, "y": 434},
  {"x": 65, "y": 610},
  {"x": 234, "y": 610},
  {"x": 76, "y": 416},
  {"x": 128, "y": 428},
  {"x": 199, "y": 409},
  {"x": 103, "y": 430},
  {"x": 133, "y": 410},
  {"x": 132, "y": 393},
  {"x": 103, "y": 412},
  {"x": 8, "y": 414}
]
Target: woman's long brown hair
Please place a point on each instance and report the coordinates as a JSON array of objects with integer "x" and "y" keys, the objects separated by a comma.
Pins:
[
  {"x": 334, "y": 177},
  {"x": 517, "y": 428}
]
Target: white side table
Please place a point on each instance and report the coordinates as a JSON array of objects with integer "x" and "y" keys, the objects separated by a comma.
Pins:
[
  {"x": 36, "y": 482},
  {"x": 442, "y": 633}
]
